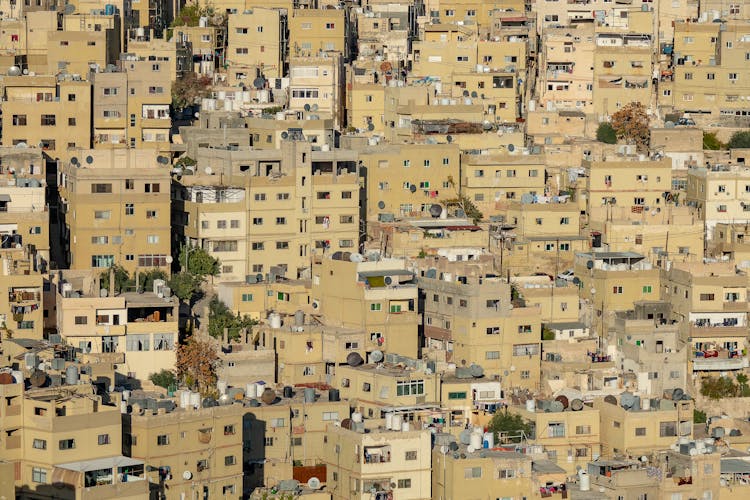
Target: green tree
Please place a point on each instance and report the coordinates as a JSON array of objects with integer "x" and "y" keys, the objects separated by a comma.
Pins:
[
  {"x": 699, "y": 417},
  {"x": 122, "y": 279},
  {"x": 631, "y": 124},
  {"x": 606, "y": 134},
  {"x": 164, "y": 378},
  {"x": 739, "y": 140},
  {"x": 711, "y": 142},
  {"x": 508, "y": 424},
  {"x": 146, "y": 279},
  {"x": 221, "y": 317},
  {"x": 718, "y": 387},
  {"x": 199, "y": 262},
  {"x": 742, "y": 381},
  {"x": 184, "y": 286}
]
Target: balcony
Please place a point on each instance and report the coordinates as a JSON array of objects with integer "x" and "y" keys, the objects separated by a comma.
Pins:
[
  {"x": 735, "y": 306},
  {"x": 719, "y": 360},
  {"x": 377, "y": 454},
  {"x": 698, "y": 331}
]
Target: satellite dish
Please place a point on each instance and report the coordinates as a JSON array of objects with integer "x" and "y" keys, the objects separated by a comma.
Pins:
[
  {"x": 259, "y": 277},
  {"x": 307, "y": 107},
  {"x": 169, "y": 259},
  {"x": 89, "y": 159},
  {"x": 487, "y": 125},
  {"x": 436, "y": 210},
  {"x": 413, "y": 188},
  {"x": 431, "y": 273},
  {"x": 668, "y": 124},
  {"x": 285, "y": 135},
  {"x": 590, "y": 264},
  {"x": 208, "y": 170},
  {"x": 74, "y": 160},
  {"x": 14, "y": 71},
  {"x": 162, "y": 159},
  {"x": 187, "y": 475},
  {"x": 259, "y": 83},
  {"x": 381, "y": 205},
  {"x": 388, "y": 280},
  {"x": 476, "y": 370},
  {"x": 69, "y": 9},
  {"x": 356, "y": 257},
  {"x": 354, "y": 359},
  {"x": 449, "y": 138},
  {"x": 370, "y": 126},
  {"x": 376, "y": 356},
  {"x": 466, "y": 93},
  {"x": 576, "y": 280},
  {"x": 314, "y": 107},
  {"x": 474, "y": 94},
  {"x": 511, "y": 147},
  {"x": 453, "y": 446},
  {"x": 313, "y": 483},
  {"x": 22, "y": 145},
  {"x": 103, "y": 292}
]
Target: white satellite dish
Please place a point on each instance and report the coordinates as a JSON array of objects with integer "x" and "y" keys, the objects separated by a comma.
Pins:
[
  {"x": 376, "y": 356},
  {"x": 208, "y": 170},
  {"x": 187, "y": 475},
  {"x": 313, "y": 483},
  {"x": 169, "y": 259}
]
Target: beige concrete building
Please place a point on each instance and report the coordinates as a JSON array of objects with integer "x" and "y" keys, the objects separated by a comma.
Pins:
[
  {"x": 51, "y": 113},
  {"x": 710, "y": 301},
  {"x": 314, "y": 31},
  {"x": 116, "y": 209},
  {"x": 188, "y": 451},
  {"x": 358, "y": 462},
  {"x": 637, "y": 429},
  {"x": 256, "y": 42},
  {"x": 376, "y": 296},
  {"x": 316, "y": 86},
  {"x": 720, "y": 193},
  {"x": 139, "y": 330},
  {"x": 269, "y": 211}
]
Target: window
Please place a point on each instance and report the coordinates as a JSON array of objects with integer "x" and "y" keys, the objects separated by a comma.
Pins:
[
  {"x": 258, "y": 221},
  {"x": 256, "y": 245},
  {"x": 19, "y": 120},
  {"x": 282, "y": 245},
  {"x": 230, "y": 460},
  {"x": 583, "y": 429},
  {"x": 40, "y": 444},
  {"x": 506, "y": 474},
  {"x": 556, "y": 429},
  {"x": 48, "y": 120},
  {"x": 346, "y": 195},
  {"x": 410, "y": 455},
  {"x": 38, "y": 475},
  {"x": 410, "y": 388},
  {"x": 617, "y": 290},
  {"x": 228, "y": 490},
  {"x": 67, "y": 444},
  {"x": 330, "y": 416},
  {"x": 71, "y": 122},
  {"x": 525, "y": 349},
  {"x": 732, "y": 76},
  {"x": 137, "y": 342},
  {"x": 330, "y": 26},
  {"x": 247, "y": 297},
  {"x": 152, "y": 239},
  {"x": 163, "y": 341},
  {"x": 640, "y": 431},
  {"x": 102, "y": 260},
  {"x": 268, "y": 441},
  {"x": 81, "y": 320},
  {"x": 407, "y": 163},
  {"x": 103, "y": 439},
  {"x": 129, "y": 209},
  {"x": 707, "y": 296},
  {"x": 277, "y": 422},
  {"x": 667, "y": 429},
  {"x": 395, "y": 308},
  {"x": 151, "y": 214},
  {"x": 647, "y": 289},
  {"x": 152, "y": 187},
  {"x": 493, "y": 330},
  {"x": 102, "y": 214},
  {"x": 225, "y": 246},
  {"x": 492, "y": 355},
  {"x": 404, "y": 483},
  {"x": 162, "y": 440},
  {"x": 202, "y": 465},
  {"x": 456, "y": 395},
  {"x": 375, "y": 307},
  {"x": 472, "y": 472}
]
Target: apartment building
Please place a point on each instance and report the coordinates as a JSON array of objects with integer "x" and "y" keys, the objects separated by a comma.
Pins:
[
  {"x": 381, "y": 460},
  {"x": 649, "y": 346},
  {"x": 470, "y": 475},
  {"x": 140, "y": 330},
  {"x": 256, "y": 42},
  {"x": 618, "y": 180},
  {"x": 452, "y": 238},
  {"x": 283, "y": 296},
  {"x": 493, "y": 181},
  {"x": 53, "y": 113},
  {"x": 672, "y": 230},
  {"x": 614, "y": 281},
  {"x": 74, "y": 51},
  {"x": 730, "y": 240},
  {"x": 175, "y": 51},
  {"x": 707, "y": 73},
  {"x": 21, "y": 310},
  {"x": 187, "y": 451},
  {"x": 383, "y": 30},
  {"x": 633, "y": 426},
  {"x": 313, "y": 31},
  {"x": 565, "y": 80},
  {"x": 710, "y": 302},
  {"x": 365, "y": 107},
  {"x": 623, "y": 66},
  {"x": 268, "y": 211},
  {"x": 376, "y": 296},
  {"x": 406, "y": 180},
  {"x": 556, "y": 300},
  {"x": 720, "y": 193},
  {"x": 67, "y": 436},
  {"x": 116, "y": 207},
  {"x": 316, "y": 86},
  {"x": 131, "y": 105},
  {"x": 473, "y": 319},
  {"x": 269, "y": 134},
  {"x": 27, "y": 35},
  {"x": 570, "y": 437}
]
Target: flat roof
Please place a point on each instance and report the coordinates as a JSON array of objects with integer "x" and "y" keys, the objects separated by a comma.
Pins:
[
  {"x": 735, "y": 466},
  {"x": 100, "y": 463},
  {"x": 546, "y": 466},
  {"x": 566, "y": 325}
]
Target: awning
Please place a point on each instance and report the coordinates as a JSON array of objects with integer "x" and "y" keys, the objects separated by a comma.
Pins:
[
  {"x": 5, "y": 197},
  {"x": 100, "y": 463},
  {"x": 735, "y": 466}
]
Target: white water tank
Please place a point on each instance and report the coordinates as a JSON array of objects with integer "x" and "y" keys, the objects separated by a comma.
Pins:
[
  {"x": 356, "y": 417},
  {"x": 476, "y": 440},
  {"x": 488, "y": 441},
  {"x": 274, "y": 319},
  {"x": 222, "y": 386},
  {"x": 405, "y": 427},
  {"x": 396, "y": 422},
  {"x": 251, "y": 390},
  {"x": 645, "y": 404},
  {"x": 389, "y": 421},
  {"x": 530, "y": 405},
  {"x": 195, "y": 399},
  {"x": 184, "y": 399},
  {"x": 584, "y": 481},
  {"x": 123, "y": 406}
]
